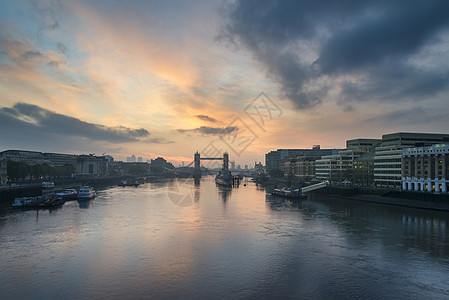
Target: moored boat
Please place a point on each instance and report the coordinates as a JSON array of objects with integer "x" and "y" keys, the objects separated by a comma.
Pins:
[
  {"x": 126, "y": 183},
  {"x": 27, "y": 202},
  {"x": 48, "y": 184},
  {"x": 68, "y": 194},
  {"x": 38, "y": 202},
  {"x": 86, "y": 193},
  {"x": 224, "y": 178},
  {"x": 52, "y": 201},
  {"x": 289, "y": 193}
]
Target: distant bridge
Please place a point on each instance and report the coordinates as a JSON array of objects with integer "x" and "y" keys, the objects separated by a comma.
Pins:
[{"x": 197, "y": 162}]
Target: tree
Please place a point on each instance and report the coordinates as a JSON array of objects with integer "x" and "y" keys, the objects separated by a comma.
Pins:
[
  {"x": 66, "y": 170},
  {"x": 348, "y": 174},
  {"x": 17, "y": 170},
  {"x": 276, "y": 173},
  {"x": 36, "y": 171},
  {"x": 20, "y": 170},
  {"x": 137, "y": 169}
]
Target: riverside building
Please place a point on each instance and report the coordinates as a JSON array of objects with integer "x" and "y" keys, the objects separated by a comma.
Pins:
[
  {"x": 334, "y": 166},
  {"x": 301, "y": 167},
  {"x": 363, "y": 169},
  {"x": 425, "y": 168},
  {"x": 388, "y": 156},
  {"x": 90, "y": 165},
  {"x": 3, "y": 171},
  {"x": 35, "y": 158},
  {"x": 273, "y": 158}
]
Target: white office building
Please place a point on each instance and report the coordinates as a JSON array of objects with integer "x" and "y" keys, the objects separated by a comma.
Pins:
[
  {"x": 334, "y": 166},
  {"x": 388, "y": 156},
  {"x": 425, "y": 168}
]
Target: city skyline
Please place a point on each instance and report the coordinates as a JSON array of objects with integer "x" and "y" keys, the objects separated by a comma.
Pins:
[{"x": 167, "y": 79}]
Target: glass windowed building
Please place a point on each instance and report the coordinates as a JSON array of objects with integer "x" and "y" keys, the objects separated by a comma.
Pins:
[{"x": 388, "y": 156}]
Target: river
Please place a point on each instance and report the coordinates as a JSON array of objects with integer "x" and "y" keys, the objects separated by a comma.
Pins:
[{"x": 177, "y": 239}]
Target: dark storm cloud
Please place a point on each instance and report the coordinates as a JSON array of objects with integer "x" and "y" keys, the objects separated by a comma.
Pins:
[
  {"x": 206, "y": 118},
  {"x": 33, "y": 121},
  {"x": 395, "y": 81},
  {"x": 205, "y": 130},
  {"x": 406, "y": 116},
  {"x": 392, "y": 35},
  {"x": 300, "y": 43}
]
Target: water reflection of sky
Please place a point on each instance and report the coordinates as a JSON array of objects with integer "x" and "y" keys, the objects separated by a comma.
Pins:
[{"x": 238, "y": 243}]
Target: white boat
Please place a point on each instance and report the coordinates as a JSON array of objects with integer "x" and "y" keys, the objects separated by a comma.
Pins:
[
  {"x": 48, "y": 184},
  {"x": 86, "y": 193},
  {"x": 27, "y": 202},
  {"x": 68, "y": 194}
]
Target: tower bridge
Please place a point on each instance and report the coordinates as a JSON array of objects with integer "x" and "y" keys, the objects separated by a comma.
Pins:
[{"x": 198, "y": 159}]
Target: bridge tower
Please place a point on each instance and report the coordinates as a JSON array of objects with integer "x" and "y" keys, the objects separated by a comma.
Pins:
[
  {"x": 197, "y": 169},
  {"x": 197, "y": 161},
  {"x": 226, "y": 161}
]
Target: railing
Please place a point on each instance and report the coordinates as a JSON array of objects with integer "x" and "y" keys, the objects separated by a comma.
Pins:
[{"x": 314, "y": 187}]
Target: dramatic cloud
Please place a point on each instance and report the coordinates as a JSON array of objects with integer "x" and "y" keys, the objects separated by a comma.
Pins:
[
  {"x": 206, "y": 118},
  {"x": 366, "y": 67},
  {"x": 355, "y": 50},
  {"x": 205, "y": 130},
  {"x": 414, "y": 115},
  {"x": 36, "y": 121}
]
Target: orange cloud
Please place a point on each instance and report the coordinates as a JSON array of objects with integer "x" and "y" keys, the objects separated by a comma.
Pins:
[{"x": 114, "y": 44}]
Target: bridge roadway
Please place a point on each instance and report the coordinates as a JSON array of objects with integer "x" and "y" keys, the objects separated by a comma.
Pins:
[{"x": 211, "y": 158}]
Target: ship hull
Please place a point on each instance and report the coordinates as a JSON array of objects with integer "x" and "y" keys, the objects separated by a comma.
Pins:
[{"x": 222, "y": 182}]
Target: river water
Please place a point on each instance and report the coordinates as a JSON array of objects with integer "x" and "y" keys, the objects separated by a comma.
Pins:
[{"x": 177, "y": 239}]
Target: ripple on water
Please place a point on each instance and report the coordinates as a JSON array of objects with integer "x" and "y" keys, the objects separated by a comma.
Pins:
[{"x": 240, "y": 243}]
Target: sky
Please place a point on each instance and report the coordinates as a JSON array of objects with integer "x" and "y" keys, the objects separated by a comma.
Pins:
[{"x": 169, "y": 78}]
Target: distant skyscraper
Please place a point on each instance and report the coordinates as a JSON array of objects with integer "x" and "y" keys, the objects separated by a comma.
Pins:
[
  {"x": 128, "y": 159},
  {"x": 239, "y": 167},
  {"x": 133, "y": 158},
  {"x": 183, "y": 164},
  {"x": 232, "y": 165},
  {"x": 139, "y": 159},
  {"x": 246, "y": 167}
]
